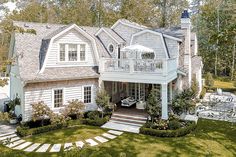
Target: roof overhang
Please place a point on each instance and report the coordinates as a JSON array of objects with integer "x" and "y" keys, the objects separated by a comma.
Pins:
[
  {"x": 127, "y": 24},
  {"x": 103, "y": 30},
  {"x": 137, "y": 48}
]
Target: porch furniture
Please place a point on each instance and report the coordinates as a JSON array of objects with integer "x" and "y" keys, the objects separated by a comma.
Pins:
[
  {"x": 141, "y": 105},
  {"x": 128, "y": 102}
]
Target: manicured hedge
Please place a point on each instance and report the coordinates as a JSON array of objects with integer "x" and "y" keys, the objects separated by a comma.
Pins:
[
  {"x": 168, "y": 133},
  {"x": 25, "y": 131},
  {"x": 232, "y": 90},
  {"x": 96, "y": 122}
]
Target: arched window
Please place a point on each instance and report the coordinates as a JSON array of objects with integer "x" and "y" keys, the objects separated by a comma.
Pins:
[
  {"x": 148, "y": 55},
  {"x": 111, "y": 48}
]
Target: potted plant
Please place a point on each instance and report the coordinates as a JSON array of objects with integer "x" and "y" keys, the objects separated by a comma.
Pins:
[{"x": 12, "y": 115}]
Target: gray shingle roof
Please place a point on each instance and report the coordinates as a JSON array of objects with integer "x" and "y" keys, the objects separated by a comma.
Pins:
[
  {"x": 31, "y": 50},
  {"x": 173, "y": 31},
  {"x": 114, "y": 35}
]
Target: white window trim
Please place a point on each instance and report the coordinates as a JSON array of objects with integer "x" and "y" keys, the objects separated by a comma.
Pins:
[
  {"x": 91, "y": 94},
  {"x": 67, "y": 50},
  {"x": 113, "y": 48},
  {"x": 63, "y": 97}
]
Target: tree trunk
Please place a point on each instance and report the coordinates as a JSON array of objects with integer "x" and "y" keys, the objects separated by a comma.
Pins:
[{"x": 233, "y": 62}]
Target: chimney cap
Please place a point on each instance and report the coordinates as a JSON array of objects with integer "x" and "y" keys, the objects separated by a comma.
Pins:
[{"x": 185, "y": 14}]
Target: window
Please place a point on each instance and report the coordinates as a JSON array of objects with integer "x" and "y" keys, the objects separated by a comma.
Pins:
[
  {"x": 148, "y": 55},
  {"x": 82, "y": 52},
  {"x": 62, "y": 52},
  {"x": 87, "y": 94},
  {"x": 111, "y": 48},
  {"x": 72, "y": 53},
  {"x": 58, "y": 98}
]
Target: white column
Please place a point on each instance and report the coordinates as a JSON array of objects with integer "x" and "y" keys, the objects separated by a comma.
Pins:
[
  {"x": 100, "y": 84},
  {"x": 164, "y": 103},
  {"x": 171, "y": 92}
]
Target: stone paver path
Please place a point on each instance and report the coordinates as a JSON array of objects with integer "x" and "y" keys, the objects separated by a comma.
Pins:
[
  {"x": 109, "y": 136},
  {"x": 91, "y": 142},
  {"x": 100, "y": 139},
  {"x": 115, "y": 132},
  {"x": 68, "y": 146},
  {"x": 20, "y": 144},
  {"x": 32, "y": 147},
  {"x": 56, "y": 148},
  {"x": 15, "y": 143},
  {"x": 23, "y": 145},
  {"x": 43, "y": 148},
  {"x": 79, "y": 144}
]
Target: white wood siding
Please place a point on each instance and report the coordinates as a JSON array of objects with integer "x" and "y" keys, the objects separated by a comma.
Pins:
[
  {"x": 126, "y": 32},
  {"x": 173, "y": 47},
  {"x": 74, "y": 37},
  {"x": 44, "y": 92},
  {"x": 152, "y": 41},
  {"x": 107, "y": 40}
]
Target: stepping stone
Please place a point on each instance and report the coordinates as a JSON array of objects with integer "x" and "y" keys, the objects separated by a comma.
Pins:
[
  {"x": 23, "y": 145},
  {"x": 6, "y": 137},
  {"x": 68, "y": 146},
  {"x": 1, "y": 135},
  {"x": 56, "y": 148},
  {"x": 115, "y": 132},
  {"x": 15, "y": 143},
  {"x": 43, "y": 148},
  {"x": 12, "y": 139},
  {"x": 32, "y": 147},
  {"x": 79, "y": 144},
  {"x": 100, "y": 139},
  {"x": 109, "y": 136},
  {"x": 91, "y": 142}
]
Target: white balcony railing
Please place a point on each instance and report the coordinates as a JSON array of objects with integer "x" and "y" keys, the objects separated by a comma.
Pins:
[{"x": 138, "y": 65}]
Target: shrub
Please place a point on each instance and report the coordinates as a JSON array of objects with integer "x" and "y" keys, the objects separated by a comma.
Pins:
[
  {"x": 36, "y": 123},
  {"x": 102, "y": 100},
  {"x": 209, "y": 81},
  {"x": 203, "y": 92},
  {"x": 4, "y": 116},
  {"x": 74, "y": 109},
  {"x": 96, "y": 122},
  {"x": 153, "y": 105},
  {"x": 174, "y": 124},
  {"x": 58, "y": 119},
  {"x": 169, "y": 133},
  {"x": 94, "y": 115},
  {"x": 25, "y": 131}
]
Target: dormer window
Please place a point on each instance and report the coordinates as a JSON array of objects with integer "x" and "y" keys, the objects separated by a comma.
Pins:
[
  {"x": 111, "y": 48},
  {"x": 72, "y": 52}
]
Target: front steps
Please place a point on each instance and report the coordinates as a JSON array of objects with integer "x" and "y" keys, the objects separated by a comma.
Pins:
[{"x": 125, "y": 122}]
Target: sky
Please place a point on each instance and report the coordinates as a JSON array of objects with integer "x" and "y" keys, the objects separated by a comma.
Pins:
[{"x": 10, "y": 5}]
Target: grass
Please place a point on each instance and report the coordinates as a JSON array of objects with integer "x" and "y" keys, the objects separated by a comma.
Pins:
[
  {"x": 222, "y": 84},
  {"x": 211, "y": 138},
  {"x": 74, "y": 134}
]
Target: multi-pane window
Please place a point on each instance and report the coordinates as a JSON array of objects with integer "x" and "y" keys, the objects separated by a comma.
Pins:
[
  {"x": 58, "y": 98},
  {"x": 87, "y": 94},
  {"x": 82, "y": 52},
  {"x": 72, "y": 53},
  {"x": 62, "y": 52}
]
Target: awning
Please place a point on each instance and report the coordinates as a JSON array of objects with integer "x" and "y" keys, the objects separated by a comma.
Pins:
[{"x": 137, "y": 48}]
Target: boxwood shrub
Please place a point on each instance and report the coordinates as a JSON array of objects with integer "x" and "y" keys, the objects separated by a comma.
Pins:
[
  {"x": 26, "y": 131},
  {"x": 95, "y": 122},
  {"x": 169, "y": 133}
]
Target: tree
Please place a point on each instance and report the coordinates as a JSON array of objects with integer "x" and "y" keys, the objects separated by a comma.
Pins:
[
  {"x": 194, "y": 87},
  {"x": 102, "y": 100},
  {"x": 153, "y": 107}
]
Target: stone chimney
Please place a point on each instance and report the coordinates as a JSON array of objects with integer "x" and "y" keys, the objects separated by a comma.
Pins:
[{"x": 186, "y": 28}]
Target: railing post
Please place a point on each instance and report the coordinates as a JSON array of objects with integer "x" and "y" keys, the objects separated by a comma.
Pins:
[{"x": 131, "y": 65}]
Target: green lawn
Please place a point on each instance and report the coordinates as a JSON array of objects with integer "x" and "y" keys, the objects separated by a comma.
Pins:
[{"x": 211, "y": 138}]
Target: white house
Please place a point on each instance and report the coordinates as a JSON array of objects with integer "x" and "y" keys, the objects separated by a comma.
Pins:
[{"x": 65, "y": 62}]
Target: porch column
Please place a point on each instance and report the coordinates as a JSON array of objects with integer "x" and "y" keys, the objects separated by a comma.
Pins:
[
  {"x": 100, "y": 84},
  {"x": 164, "y": 101},
  {"x": 171, "y": 92}
]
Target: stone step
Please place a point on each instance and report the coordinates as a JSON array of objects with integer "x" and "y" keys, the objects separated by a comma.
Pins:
[
  {"x": 12, "y": 139},
  {"x": 129, "y": 116},
  {"x": 79, "y": 144},
  {"x": 43, "y": 148},
  {"x": 56, "y": 148},
  {"x": 13, "y": 144},
  {"x": 115, "y": 132},
  {"x": 101, "y": 139},
  {"x": 91, "y": 142},
  {"x": 121, "y": 127},
  {"x": 6, "y": 134},
  {"x": 125, "y": 122},
  {"x": 23, "y": 145},
  {"x": 109, "y": 136},
  {"x": 6, "y": 137},
  {"x": 68, "y": 146},
  {"x": 32, "y": 147}
]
